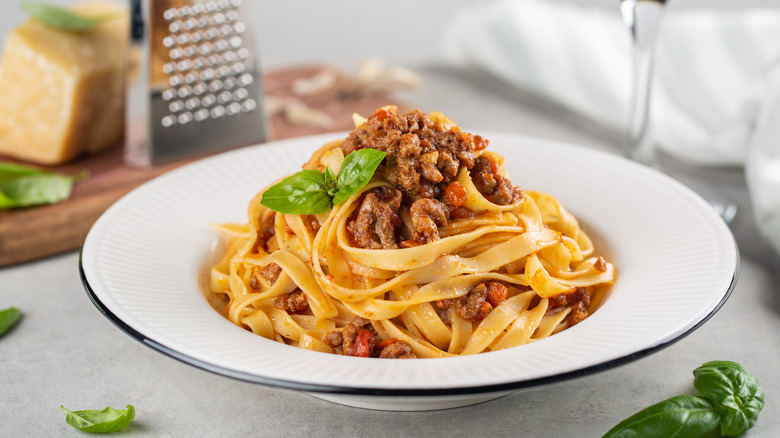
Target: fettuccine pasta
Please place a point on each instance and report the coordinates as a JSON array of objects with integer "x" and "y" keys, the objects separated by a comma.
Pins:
[{"x": 437, "y": 255}]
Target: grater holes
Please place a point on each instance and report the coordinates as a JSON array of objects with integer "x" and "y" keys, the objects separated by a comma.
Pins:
[
  {"x": 192, "y": 103},
  {"x": 197, "y": 8},
  {"x": 224, "y": 97},
  {"x": 233, "y": 108},
  {"x": 168, "y": 94},
  {"x": 184, "y": 118},
  {"x": 217, "y": 111},
  {"x": 215, "y": 86},
  {"x": 240, "y": 94},
  {"x": 201, "y": 114},
  {"x": 175, "y": 106},
  {"x": 175, "y": 80},
  {"x": 206, "y": 73},
  {"x": 230, "y": 82},
  {"x": 223, "y": 71},
  {"x": 184, "y": 92},
  {"x": 190, "y": 78},
  {"x": 221, "y": 45},
  {"x": 200, "y": 88},
  {"x": 245, "y": 79},
  {"x": 248, "y": 105},
  {"x": 170, "y": 14},
  {"x": 208, "y": 100},
  {"x": 168, "y": 120}
]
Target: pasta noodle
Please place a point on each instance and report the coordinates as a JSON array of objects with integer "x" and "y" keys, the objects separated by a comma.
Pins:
[{"x": 457, "y": 262}]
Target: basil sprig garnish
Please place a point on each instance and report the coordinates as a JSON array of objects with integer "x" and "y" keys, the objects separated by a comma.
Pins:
[
  {"x": 731, "y": 400},
  {"x": 93, "y": 421},
  {"x": 311, "y": 191},
  {"x": 734, "y": 390},
  {"x": 8, "y": 318},
  {"x": 64, "y": 19},
  {"x": 25, "y": 186}
]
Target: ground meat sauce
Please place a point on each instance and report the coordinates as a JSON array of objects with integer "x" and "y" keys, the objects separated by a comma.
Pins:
[
  {"x": 481, "y": 299},
  {"x": 421, "y": 154},
  {"x": 377, "y": 219},
  {"x": 578, "y": 301},
  {"x": 397, "y": 350},
  {"x": 294, "y": 302},
  {"x": 427, "y": 216},
  {"x": 269, "y": 273},
  {"x": 496, "y": 188},
  {"x": 422, "y": 163},
  {"x": 358, "y": 338}
]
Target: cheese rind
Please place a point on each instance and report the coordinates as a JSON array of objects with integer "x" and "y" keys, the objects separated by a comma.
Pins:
[{"x": 62, "y": 93}]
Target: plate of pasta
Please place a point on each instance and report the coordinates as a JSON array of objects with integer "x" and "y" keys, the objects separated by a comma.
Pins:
[{"x": 409, "y": 264}]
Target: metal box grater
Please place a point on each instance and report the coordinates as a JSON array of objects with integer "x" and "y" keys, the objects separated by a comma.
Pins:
[{"x": 195, "y": 87}]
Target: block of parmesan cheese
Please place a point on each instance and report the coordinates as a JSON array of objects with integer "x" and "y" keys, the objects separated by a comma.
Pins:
[{"x": 63, "y": 92}]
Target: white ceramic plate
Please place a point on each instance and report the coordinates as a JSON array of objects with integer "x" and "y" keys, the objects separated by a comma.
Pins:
[{"x": 676, "y": 262}]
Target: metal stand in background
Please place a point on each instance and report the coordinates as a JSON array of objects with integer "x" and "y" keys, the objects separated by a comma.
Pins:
[{"x": 643, "y": 19}]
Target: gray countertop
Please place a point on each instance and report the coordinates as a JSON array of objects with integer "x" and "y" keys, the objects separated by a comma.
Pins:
[{"x": 65, "y": 352}]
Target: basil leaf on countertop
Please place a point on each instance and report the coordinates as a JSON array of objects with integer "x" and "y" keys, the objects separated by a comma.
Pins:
[
  {"x": 93, "y": 421},
  {"x": 10, "y": 171},
  {"x": 25, "y": 186},
  {"x": 730, "y": 400},
  {"x": 64, "y": 19},
  {"x": 356, "y": 171},
  {"x": 8, "y": 318},
  {"x": 732, "y": 387},
  {"x": 311, "y": 191},
  {"x": 684, "y": 416}
]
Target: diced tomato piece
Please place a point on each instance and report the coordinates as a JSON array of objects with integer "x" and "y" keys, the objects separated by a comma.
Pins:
[
  {"x": 480, "y": 143},
  {"x": 384, "y": 343},
  {"x": 493, "y": 167},
  {"x": 455, "y": 194},
  {"x": 362, "y": 345},
  {"x": 496, "y": 293}
]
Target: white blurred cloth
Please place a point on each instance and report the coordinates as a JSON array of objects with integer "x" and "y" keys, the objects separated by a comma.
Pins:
[
  {"x": 711, "y": 67},
  {"x": 716, "y": 92},
  {"x": 762, "y": 168}
]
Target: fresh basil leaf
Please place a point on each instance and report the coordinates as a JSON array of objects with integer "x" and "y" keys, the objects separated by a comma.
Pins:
[
  {"x": 93, "y": 421},
  {"x": 684, "y": 416},
  {"x": 64, "y": 19},
  {"x": 311, "y": 191},
  {"x": 305, "y": 192},
  {"x": 36, "y": 189},
  {"x": 9, "y": 171},
  {"x": 356, "y": 170},
  {"x": 8, "y": 318},
  {"x": 330, "y": 182},
  {"x": 731, "y": 386}
]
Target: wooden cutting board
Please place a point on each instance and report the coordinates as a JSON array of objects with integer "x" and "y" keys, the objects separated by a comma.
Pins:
[{"x": 32, "y": 233}]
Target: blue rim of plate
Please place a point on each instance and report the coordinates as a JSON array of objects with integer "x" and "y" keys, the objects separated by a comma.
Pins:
[{"x": 344, "y": 390}]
